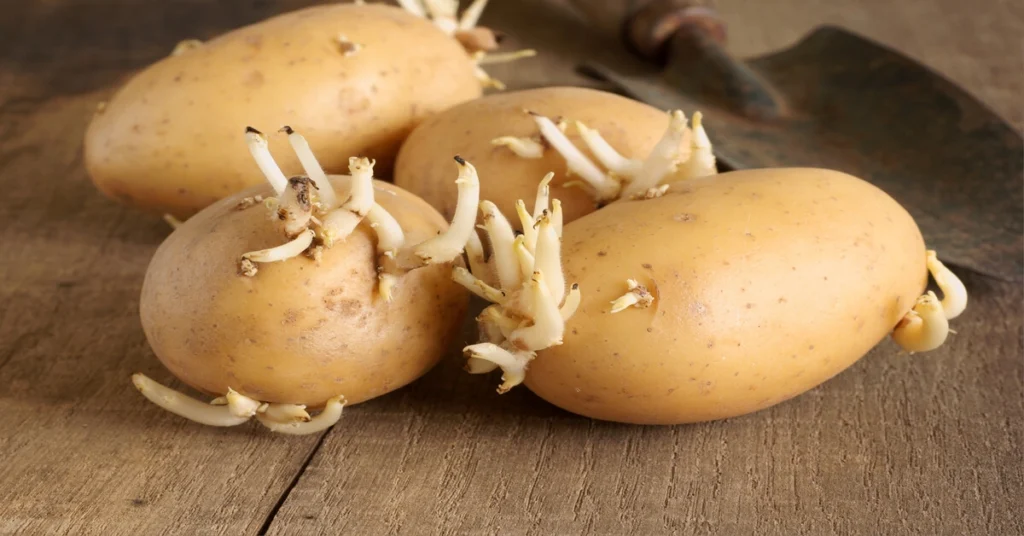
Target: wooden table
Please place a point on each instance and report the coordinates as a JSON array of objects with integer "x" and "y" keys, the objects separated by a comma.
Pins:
[{"x": 930, "y": 444}]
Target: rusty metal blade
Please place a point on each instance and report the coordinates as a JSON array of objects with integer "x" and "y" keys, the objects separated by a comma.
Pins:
[{"x": 856, "y": 106}]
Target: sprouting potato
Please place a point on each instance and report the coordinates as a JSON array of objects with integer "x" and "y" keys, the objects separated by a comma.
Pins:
[
  {"x": 716, "y": 297},
  {"x": 499, "y": 135},
  {"x": 307, "y": 292},
  {"x": 355, "y": 79}
]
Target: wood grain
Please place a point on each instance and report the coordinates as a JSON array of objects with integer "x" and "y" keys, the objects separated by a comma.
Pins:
[{"x": 928, "y": 444}]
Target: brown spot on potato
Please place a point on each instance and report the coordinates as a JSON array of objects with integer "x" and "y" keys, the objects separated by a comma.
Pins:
[
  {"x": 602, "y": 253},
  {"x": 254, "y": 79},
  {"x": 291, "y": 316},
  {"x": 647, "y": 265}
]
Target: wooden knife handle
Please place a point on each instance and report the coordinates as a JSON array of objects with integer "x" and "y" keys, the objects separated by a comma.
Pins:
[{"x": 647, "y": 26}]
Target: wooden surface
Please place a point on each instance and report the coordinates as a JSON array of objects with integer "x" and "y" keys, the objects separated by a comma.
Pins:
[{"x": 929, "y": 444}]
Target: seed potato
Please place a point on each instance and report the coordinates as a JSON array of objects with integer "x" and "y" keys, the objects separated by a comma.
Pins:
[
  {"x": 301, "y": 331},
  {"x": 353, "y": 301},
  {"x": 472, "y": 128},
  {"x": 717, "y": 297},
  {"x": 355, "y": 79}
]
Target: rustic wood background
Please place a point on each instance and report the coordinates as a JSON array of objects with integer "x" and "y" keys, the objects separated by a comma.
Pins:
[{"x": 930, "y": 444}]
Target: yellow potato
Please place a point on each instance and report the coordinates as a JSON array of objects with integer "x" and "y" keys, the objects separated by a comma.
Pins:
[
  {"x": 725, "y": 295},
  {"x": 354, "y": 79},
  {"x": 469, "y": 128},
  {"x": 765, "y": 284},
  {"x": 299, "y": 331}
]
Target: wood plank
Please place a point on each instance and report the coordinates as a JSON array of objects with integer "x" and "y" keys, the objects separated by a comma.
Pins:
[{"x": 895, "y": 445}]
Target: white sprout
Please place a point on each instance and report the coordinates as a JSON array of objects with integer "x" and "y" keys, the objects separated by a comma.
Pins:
[
  {"x": 531, "y": 306},
  {"x": 664, "y": 158},
  {"x": 681, "y": 153},
  {"x": 322, "y": 421},
  {"x": 390, "y": 238},
  {"x": 923, "y": 328},
  {"x": 487, "y": 80},
  {"x": 475, "y": 365},
  {"x": 295, "y": 206},
  {"x": 477, "y": 261},
  {"x": 449, "y": 244},
  {"x": 548, "y": 259},
  {"x": 604, "y": 187},
  {"x": 463, "y": 277},
  {"x": 526, "y": 221},
  {"x": 443, "y": 14},
  {"x": 341, "y": 222},
  {"x": 548, "y": 326},
  {"x": 572, "y": 302},
  {"x": 471, "y": 15},
  {"x": 501, "y": 236},
  {"x": 701, "y": 162},
  {"x": 414, "y": 6},
  {"x": 328, "y": 198},
  {"x": 284, "y": 413},
  {"x": 494, "y": 317},
  {"x": 954, "y": 293},
  {"x": 346, "y": 45},
  {"x": 257, "y": 142},
  {"x": 513, "y": 364},
  {"x": 172, "y": 221},
  {"x": 636, "y": 295},
  {"x": 522, "y": 147},
  {"x": 236, "y": 410},
  {"x": 542, "y": 203},
  {"x": 285, "y": 251},
  {"x": 606, "y": 154},
  {"x": 507, "y": 57},
  {"x": 523, "y": 255},
  {"x": 186, "y": 46}
]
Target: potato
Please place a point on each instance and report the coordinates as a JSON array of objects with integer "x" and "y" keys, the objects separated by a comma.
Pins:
[
  {"x": 355, "y": 79},
  {"x": 469, "y": 128},
  {"x": 723, "y": 296},
  {"x": 356, "y": 302},
  {"x": 300, "y": 331}
]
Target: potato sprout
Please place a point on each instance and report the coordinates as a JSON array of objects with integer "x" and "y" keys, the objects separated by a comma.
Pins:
[
  {"x": 522, "y": 147},
  {"x": 311, "y": 223},
  {"x": 681, "y": 153},
  {"x": 636, "y": 295},
  {"x": 310, "y": 216},
  {"x": 234, "y": 409},
  {"x": 186, "y": 46},
  {"x": 477, "y": 40},
  {"x": 954, "y": 293},
  {"x": 531, "y": 305},
  {"x": 172, "y": 221},
  {"x": 926, "y": 326}
]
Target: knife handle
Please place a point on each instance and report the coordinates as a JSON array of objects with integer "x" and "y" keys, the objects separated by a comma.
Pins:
[
  {"x": 649, "y": 30},
  {"x": 646, "y": 26}
]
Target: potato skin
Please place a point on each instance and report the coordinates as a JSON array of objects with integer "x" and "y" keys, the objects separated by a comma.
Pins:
[
  {"x": 633, "y": 128},
  {"x": 766, "y": 284},
  {"x": 297, "y": 332},
  {"x": 180, "y": 121}
]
